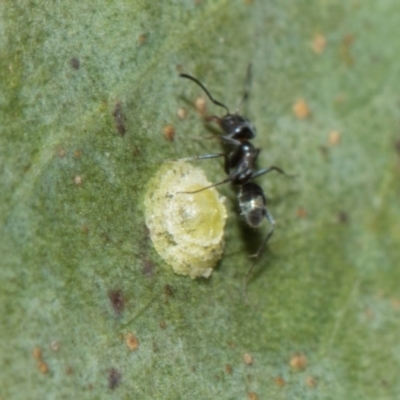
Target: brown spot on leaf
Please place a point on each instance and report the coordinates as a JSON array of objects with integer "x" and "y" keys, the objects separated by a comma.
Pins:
[
  {"x": 132, "y": 341},
  {"x": 319, "y": 43},
  {"x": 117, "y": 300},
  {"x": 69, "y": 370},
  {"x": 43, "y": 367},
  {"x": 37, "y": 353},
  {"x": 279, "y": 381},
  {"x": 334, "y": 138},
  {"x": 298, "y": 361},
  {"x": 248, "y": 359},
  {"x": 301, "y": 212},
  {"x": 301, "y": 109},
  {"x": 228, "y": 369},
  {"x": 142, "y": 38},
  {"x": 252, "y": 396},
  {"x": 169, "y": 132},
  {"x": 41, "y": 364}
]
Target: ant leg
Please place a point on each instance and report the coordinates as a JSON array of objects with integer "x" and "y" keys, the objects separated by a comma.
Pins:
[
  {"x": 259, "y": 251},
  {"x": 229, "y": 140},
  {"x": 266, "y": 170},
  {"x": 270, "y": 233},
  {"x": 205, "y": 157},
  {"x": 226, "y": 180}
]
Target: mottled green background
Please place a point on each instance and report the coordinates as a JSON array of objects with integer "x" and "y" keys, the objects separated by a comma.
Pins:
[{"x": 72, "y": 235}]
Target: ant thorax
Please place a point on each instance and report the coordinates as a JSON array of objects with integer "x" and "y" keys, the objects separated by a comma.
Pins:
[
  {"x": 241, "y": 162},
  {"x": 237, "y": 127}
]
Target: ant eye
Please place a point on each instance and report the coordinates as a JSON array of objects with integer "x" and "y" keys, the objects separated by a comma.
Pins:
[{"x": 186, "y": 229}]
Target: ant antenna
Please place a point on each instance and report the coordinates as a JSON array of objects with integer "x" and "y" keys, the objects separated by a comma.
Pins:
[
  {"x": 246, "y": 89},
  {"x": 206, "y": 91}
]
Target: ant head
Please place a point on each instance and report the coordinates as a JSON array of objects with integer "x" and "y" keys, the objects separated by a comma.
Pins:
[{"x": 237, "y": 127}]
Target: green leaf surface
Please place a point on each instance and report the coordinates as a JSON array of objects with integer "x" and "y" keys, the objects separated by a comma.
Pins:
[{"x": 86, "y": 89}]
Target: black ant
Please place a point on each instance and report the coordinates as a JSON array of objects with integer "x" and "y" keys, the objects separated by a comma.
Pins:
[{"x": 240, "y": 162}]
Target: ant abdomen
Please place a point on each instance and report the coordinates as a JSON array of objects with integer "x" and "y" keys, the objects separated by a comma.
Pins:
[{"x": 252, "y": 204}]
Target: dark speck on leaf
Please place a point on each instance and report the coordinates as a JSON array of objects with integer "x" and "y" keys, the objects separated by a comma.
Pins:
[
  {"x": 168, "y": 291},
  {"x": 75, "y": 63},
  {"x": 114, "y": 378},
  {"x": 117, "y": 300},
  {"x": 120, "y": 119},
  {"x": 343, "y": 217}
]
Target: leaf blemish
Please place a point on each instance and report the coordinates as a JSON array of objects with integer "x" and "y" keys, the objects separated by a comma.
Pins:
[
  {"x": 301, "y": 109},
  {"x": 298, "y": 361},
  {"x": 248, "y": 358},
  {"x": 75, "y": 63},
  {"x": 132, "y": 341},
  {"x": 142, "y": 39},
  {"x": 279, "y": 381},
  {"x": 117, "y": 300},
  {"x": 169, "y": 133},
  {"x": 343, "y": 217},
  {"x": 114, "y": 378},
  {"x": 119, "y": 119},
  {"x": 168, "y": 292}
]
